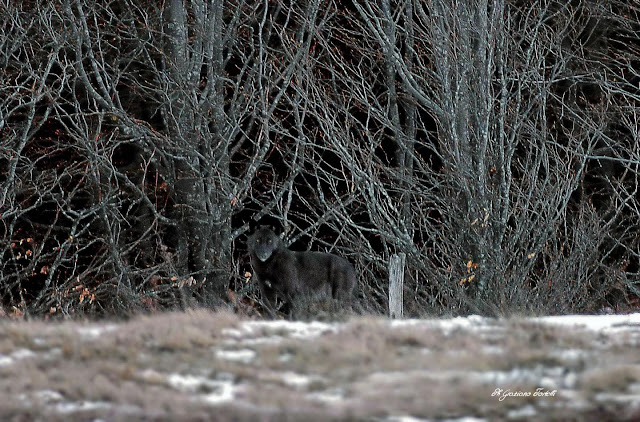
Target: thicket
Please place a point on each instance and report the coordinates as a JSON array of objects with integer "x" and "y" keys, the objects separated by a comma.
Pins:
[{"x": 495, "y": 143}]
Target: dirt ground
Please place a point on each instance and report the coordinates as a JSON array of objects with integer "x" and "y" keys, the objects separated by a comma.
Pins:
[{"x": 204, "y": 366}]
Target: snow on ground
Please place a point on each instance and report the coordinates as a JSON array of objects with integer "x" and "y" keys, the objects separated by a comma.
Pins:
[
  {"x": 593, "y": 322},
  {"x": 460, "y": 369},
  {"x": 269, "y": 331},
  {"x": 241, "y": 355},
  {"x": 15, "y": 356},
  {"x": 93, "y": 332}
]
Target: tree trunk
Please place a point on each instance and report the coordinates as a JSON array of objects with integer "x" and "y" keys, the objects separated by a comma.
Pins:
[{"x": 202, "y": 209}]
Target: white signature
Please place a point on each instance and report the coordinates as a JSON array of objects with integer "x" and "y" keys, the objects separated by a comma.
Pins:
[{"x": 540, "y": 392}]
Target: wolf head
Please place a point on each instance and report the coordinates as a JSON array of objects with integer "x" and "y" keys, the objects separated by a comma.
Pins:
[{"x": 263, "y": 243}]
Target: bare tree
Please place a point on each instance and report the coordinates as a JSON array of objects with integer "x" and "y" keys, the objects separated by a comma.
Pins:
[
  {"x": 133, "y": 133},
  {"x": 493, "y": 142}
]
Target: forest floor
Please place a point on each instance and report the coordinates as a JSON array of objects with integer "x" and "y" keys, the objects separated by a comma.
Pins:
[{"x": 204, "y": 366}]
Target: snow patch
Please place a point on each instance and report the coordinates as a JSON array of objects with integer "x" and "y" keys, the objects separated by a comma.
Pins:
[
  {"x": 446, "y": 325},
  {"x": 219, "y": 391},
  {"x": 252, "y": 333},
  {"x": 6, "y": 360},
  {"x": 22, "y": 354},
  {"x": 293, "y": 379},
  {"x": 332, "y": 396},
  {"x": 186, "y": 383},
  {"x": 82, "y": 406},
  {"x": 592, "y": 322},
  {"x": 242, "y": 355},
  {"x": 207, "y": 390},
  {"x": 290, "y": 379},
  {"x": 281, "y": 328},
  {"x": 93, "y": 332},
  {"x": 48, "y": 396},
  {"x": 41, "y": 396},
  {"x": 225, "y": 393}
]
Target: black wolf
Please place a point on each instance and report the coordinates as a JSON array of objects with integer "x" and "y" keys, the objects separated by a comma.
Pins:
[{"x": 299, "y": 278}]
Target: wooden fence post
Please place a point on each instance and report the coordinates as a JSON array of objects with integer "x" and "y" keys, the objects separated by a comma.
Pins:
[{"x": 396, "y": 281}]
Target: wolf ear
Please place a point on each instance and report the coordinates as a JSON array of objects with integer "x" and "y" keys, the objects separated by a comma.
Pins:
[
  {"x": 269, "y": 227},
  {"x": 254, "y": 226}
]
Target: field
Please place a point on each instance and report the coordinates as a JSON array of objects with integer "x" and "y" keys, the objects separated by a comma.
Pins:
[{"x": 204, "y": 366}]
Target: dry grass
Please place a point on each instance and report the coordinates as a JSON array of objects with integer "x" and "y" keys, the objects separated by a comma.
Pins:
[{"x": 201, "y": 366}]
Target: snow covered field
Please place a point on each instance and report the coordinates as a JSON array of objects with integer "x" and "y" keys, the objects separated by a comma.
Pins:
[{"x": 203, "y": 366}]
